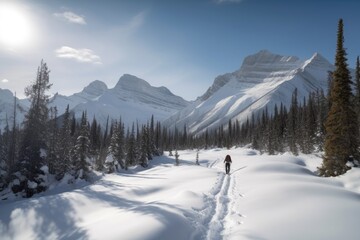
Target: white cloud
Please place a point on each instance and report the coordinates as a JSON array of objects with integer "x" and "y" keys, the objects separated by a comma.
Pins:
[
  {"x": 5, "y": 80},
  {"x": 227, "y": 1},
  {"x": 71, "y": 17},
  {"x": 81, "y": 55}
]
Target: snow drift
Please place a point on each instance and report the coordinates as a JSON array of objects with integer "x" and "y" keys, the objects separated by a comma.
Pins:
[{"x": 265, "y": 197}]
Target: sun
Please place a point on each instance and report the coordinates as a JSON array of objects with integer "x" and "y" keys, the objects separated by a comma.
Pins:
[{"x": 15, "y": 27}]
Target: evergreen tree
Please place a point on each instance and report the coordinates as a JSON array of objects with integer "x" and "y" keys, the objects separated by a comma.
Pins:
[
  {"x": 177, "y": 163},
  {"x": 104, "y": 145},
  {"x": 292, "y": 130},
  {"x": 357, "y": 82},
  {"x": 82, "y": 148},
  {"x": 65, "y": 145},
  {"x": 3, "y": 161},
  {"x": 357, "y": 88},
  {"x": 52, "y": 156},
  {"x": 13, "y": 148},
  {"x": 131, "y": 151},
  {"x": 341, "y": 140},
  {"x": 144, "y": 147},
  {"x": 34, "y": 133},
  {"x": 197, "y": 158},
  {"x": 117, "y": 143}
]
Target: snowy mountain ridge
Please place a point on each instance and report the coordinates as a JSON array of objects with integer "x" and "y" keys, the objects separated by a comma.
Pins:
[
  {"x": 132, "y": 99},
  {"x": 263, "y": 80}
]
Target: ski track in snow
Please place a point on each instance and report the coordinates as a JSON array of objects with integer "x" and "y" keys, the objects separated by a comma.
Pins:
[{"x": 219, "y": 212}]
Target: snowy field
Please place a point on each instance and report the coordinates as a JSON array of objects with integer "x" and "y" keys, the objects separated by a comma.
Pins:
[{"x": 264, "y": 197}]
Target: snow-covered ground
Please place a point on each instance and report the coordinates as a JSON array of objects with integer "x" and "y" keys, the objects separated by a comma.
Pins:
[{"x": 264, "y": 197}]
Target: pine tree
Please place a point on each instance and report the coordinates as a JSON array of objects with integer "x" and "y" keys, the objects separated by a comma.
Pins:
[
  {"x": 3, "y": 161},
  {"x": 357, "y": 82},
  {"x": 34, "y": 133},
  {"x": 52, "y": 156},
  {"x": 131, "y": 151},
  {"x": 197, "y": 158},
  {"x": 104, "y": 148},
  {"x": 177, "y": 163},
  {"x": 82, "y": 148},
  {"x": 341, "y": 140},
  {"x": 65, "y": 145},
  {"x": 144, "y": 147},
  {"x": 292, "y": 130},
  {"x": 357, "y": 88},
  {"x": 117, "y": 143}
]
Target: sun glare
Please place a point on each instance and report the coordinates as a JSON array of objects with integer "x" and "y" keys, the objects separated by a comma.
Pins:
[{"x": 15, "y": 27}]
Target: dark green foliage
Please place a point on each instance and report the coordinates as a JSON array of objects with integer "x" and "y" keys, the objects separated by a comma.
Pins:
[
  {"x": 177, "y": 162},
  {"x": 81, "y": 150},
  {"x": 117, "y": 143},
  {"x": 35, "y": 132},
  {"x": 64, "y": 147},
  {"x": 341, "y": 141},
  {"x": 131, "y": 149}
]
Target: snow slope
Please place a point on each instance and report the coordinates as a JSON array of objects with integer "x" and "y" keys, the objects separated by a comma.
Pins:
[
  {"x": 7, "y": 108},
  {"x": 134, "y": 100},
  {"x": 264, "y": 79},
  {"x": 265, "y": 197}
]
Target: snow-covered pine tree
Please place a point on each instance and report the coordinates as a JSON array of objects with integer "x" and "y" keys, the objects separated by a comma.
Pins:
[
  {"x": 104, "y": 145},
  {"x": 197, "y": 157},
  {"x": 33, "y": 141},
  {"x": 82, "y": 149},
  {"x": 117, "y": 143},
  {"x": 158, "y": 141},
  {"x": 144, "y": 150},
  {"x": 95, "y": 138},
  {"x": 177, "y": 158},
  {"x": 52, "y": 157},
  {"x": 131, "y": 150},
  {"x": 65, "y": 144}
]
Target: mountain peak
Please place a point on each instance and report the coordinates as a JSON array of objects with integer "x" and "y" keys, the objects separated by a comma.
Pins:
[
  {"x": 131, "y": 82},
  {"x": 317, "y": 61},
  {"x": 96, "y": 88},
  {"x": 267, "y": 57}
]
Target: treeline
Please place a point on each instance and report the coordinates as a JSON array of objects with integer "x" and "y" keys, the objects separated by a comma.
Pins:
[{"x": 297, "y": 129}]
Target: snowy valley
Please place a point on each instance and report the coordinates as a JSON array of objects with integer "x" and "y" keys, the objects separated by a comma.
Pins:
[
  {"x": 265, "y": 197},
  {"x": 276, "y": 197}
]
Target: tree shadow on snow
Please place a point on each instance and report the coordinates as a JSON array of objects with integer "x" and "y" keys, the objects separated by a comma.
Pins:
[
  {"x": 172, "y": 218},
  {"x": 43, "y": 218}
]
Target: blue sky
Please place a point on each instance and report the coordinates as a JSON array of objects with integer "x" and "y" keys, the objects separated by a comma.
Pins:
[{"x": 182, "y": 45}]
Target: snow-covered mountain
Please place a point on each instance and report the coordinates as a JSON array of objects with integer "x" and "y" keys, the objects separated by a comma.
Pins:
[
  {"x": 264, "y": 79},
  {"x": 7, "y": 108},
  {"x": 132, "y": 99}
]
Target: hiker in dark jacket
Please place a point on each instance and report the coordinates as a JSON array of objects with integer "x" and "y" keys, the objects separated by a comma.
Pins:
[{"x": 227, "y": 162}]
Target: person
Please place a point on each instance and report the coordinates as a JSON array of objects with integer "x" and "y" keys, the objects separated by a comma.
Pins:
[{"x": 227, "y": 162}]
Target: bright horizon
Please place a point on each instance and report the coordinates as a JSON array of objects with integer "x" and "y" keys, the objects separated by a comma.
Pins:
[{"x": 182, "y": 45}]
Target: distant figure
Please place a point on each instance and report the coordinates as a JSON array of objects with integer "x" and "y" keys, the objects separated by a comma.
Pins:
[{"x": 227, "y": 162}]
